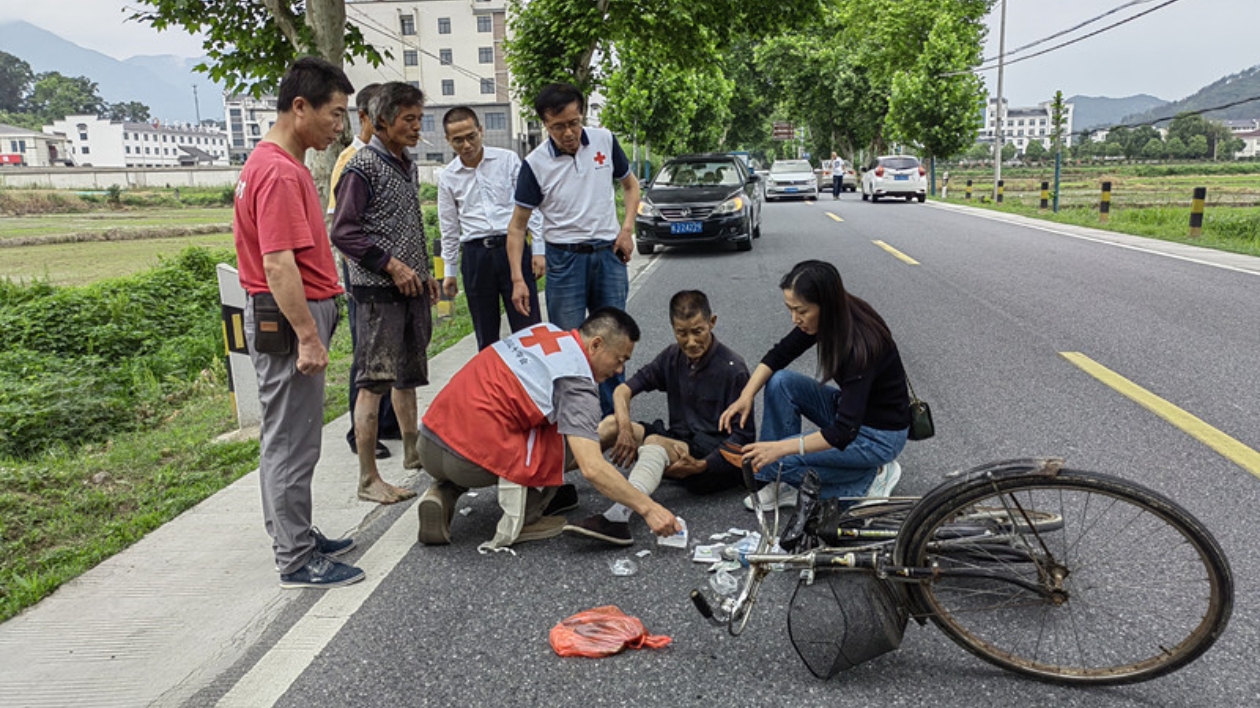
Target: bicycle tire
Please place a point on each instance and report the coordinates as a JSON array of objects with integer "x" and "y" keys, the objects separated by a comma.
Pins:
[{"x": 1145, "y": 589}]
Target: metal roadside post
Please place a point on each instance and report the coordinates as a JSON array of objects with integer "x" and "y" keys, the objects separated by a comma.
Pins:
[
  {"x": 1001, "y": 190},
  {"x": 1196, "y": 212},
  {"x": 242, "y": 379},
  {"x": 1045, "y": 196},
  {"x": 1104, "y": 204},
  {"x": 445, "y": 304},
  {"x": 968, "y": 190}
]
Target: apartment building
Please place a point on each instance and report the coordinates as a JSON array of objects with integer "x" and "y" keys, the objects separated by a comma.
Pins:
[
  {"x": 100, "y": 142},
  {"x": 453, "y": 51},
  {"x": 1021, "y": 126},
  {"x": 248, "y": 120},
  {"x": 19, "y": 146}
]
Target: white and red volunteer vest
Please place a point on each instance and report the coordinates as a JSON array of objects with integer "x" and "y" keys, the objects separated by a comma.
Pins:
[{"x": 498, "y": 413}]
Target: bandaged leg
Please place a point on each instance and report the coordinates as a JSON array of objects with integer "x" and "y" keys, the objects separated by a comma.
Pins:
[
  {"x": 512, "y": 500},
  {"x": 645, "y": 476}
]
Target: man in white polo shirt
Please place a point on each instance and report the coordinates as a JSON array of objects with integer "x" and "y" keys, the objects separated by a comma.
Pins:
[
  {"x": 569, "y": 180},
  {"x": 475, "y": 194}
]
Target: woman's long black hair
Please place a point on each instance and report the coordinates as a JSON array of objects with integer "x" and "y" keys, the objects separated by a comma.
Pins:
[{"x": 851, "y": 334}]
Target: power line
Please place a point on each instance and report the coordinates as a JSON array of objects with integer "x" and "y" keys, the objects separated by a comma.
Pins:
[
  {"x": 1153, "y": 121},
  {"x": 1063, "y": 44},
  {"x": 1070, "y": 30}
]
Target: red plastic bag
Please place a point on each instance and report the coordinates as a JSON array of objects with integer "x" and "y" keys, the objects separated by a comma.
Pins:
[{"x": 602, "y": 631}]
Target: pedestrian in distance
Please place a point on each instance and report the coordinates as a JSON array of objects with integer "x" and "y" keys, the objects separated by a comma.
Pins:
[
  {"x": 474, "y": 207},
  {"x": 388, "y": 426},
  {"x": 287, "y": 267},
  {"x": 700, "y": 377},
  {"x": 864, "y": 418},
  {"x": 537, "y": 391},
  {"x": 570, "y": 180},
  {"x": 837, "y": 174},
  {"x": 379, "y": 229}
]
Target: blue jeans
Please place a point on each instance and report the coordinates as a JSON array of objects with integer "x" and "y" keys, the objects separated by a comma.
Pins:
[
  {"x": 580, "y": 283},
  {"x": 789, "y": 396}
]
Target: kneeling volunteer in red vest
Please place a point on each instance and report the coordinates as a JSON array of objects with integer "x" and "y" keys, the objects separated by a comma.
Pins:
[{"x": 519, "y": 414}]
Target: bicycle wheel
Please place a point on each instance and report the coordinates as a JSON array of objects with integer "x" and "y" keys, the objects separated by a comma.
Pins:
[{"x": 1127, "y": 588}]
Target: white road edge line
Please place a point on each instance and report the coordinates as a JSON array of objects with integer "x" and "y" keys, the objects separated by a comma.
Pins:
[
  {"x": 268, "y": 680},
  {"x": 281, "y": 666},
  {"x": 1095, "y": 239}
]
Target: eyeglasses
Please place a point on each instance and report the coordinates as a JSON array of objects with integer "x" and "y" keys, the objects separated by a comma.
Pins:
[
  {"x": 461, "y": 140},
  {"x": 562, "y": 128}
]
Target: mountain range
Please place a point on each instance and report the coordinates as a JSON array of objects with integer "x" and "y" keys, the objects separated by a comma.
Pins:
[
  {"x": 162, "y": 82},
  {"x": 1232, "y": 89},
  {"x": 1100, "y": 111}
]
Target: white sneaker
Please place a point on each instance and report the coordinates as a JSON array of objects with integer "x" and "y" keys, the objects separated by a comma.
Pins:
[
  {"x": 772, "y": 495},
  {"x": 885, "y": 480}
]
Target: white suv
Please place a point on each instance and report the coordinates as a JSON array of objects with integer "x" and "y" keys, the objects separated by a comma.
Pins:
[{"x": 895, "y": 176}]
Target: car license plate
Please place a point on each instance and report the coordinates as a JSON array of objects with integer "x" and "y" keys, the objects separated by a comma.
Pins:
[
  {"x": 901, "y": 178},
  {"x": 790, "y": 189},
  {"x": 686, "y": 227}
]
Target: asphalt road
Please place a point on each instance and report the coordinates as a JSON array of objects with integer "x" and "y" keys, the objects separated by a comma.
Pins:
[{"x": 982, "y": 320}]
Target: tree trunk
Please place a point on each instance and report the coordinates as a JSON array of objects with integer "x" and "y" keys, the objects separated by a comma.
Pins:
[{"x": 327, "y": 22}]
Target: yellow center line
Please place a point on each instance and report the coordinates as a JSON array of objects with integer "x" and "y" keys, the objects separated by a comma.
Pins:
[
  {"x": 835, "y": 217},
  {"x": 1228, "y": 447},
  {"x": 895, "y": 252}
]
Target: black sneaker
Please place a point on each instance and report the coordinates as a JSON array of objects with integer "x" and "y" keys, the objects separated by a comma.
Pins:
[
  {"x": 332, "y": 547},
  {"x": 599, "y": 527},
  {"x": 566, "y": 499},
  {"x": 321, "y": 572}
]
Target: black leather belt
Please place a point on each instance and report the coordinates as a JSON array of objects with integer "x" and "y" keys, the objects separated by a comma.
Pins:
[
  {"x": 581, "y": 247},
  {"x": 487, "y": 242}
]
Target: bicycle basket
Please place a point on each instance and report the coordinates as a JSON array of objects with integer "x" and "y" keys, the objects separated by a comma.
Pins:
[{"x": 843, "y": 619}]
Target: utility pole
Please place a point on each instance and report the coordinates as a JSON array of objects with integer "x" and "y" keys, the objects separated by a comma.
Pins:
[
  {"x": 196, "y": 104},
  {"x": 997, "y": 109}
]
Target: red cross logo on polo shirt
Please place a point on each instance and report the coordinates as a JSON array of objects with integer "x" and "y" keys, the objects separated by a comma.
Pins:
[
  {"x": 600, "y": 157},
  {"x": 540, "y": 335}
]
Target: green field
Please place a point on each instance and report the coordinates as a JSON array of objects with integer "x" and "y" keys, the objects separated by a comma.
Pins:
[
  {"x": 88, "y": 262},
  {"x": 105, "y": 221}
]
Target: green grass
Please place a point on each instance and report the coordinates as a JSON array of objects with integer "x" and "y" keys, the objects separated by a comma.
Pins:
[
  {"x": 66, "y": 510},
  {"x": 104, "y": 221},
  {"x": 90, "y": 261}
]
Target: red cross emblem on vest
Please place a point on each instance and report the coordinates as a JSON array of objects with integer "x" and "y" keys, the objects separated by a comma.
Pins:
[
  {"x": 548, "y": 340},
  {"x": 600, "y": 157}
]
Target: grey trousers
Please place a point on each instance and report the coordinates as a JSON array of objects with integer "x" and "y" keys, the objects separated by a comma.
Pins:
[
  {"x": 292, "y": 429},
  {"x": 457, "y": 475}
]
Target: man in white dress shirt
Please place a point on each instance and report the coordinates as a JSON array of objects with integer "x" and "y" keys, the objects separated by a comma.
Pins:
[{"x": 475, "y": 205}]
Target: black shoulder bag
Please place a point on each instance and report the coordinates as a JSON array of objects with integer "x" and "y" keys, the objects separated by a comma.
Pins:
[{"x": 921, "y": 427}]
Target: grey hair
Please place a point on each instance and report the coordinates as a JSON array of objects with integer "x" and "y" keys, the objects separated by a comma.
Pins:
[{"x": 390, "y": 99}]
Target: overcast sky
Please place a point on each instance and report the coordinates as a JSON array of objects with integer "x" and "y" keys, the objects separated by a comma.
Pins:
[{"x": 1170, "y": 53}]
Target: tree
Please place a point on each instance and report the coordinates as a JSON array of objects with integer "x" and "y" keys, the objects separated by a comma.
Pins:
[
  {"x": 1035, "y": 151},
  {"x": 578, "y": 41},
  {"x": 130, "y": 111},
  {"x": 1197, "y": 148},
  {"x": 1058, "y": 122},
  {"x": 1008, "y": 152},
  {"x": 934, "y": 102},
  {"x": 251, "y": 44},
  {"x": 979, "y": 152},
  {"x": 55, "y": 96},
  {"x": 1226, "y": 148},
  {"x": 15, "y": 81},
  {"x": 1154, "y": 149},
  {"x": 1139, "y": 138}
]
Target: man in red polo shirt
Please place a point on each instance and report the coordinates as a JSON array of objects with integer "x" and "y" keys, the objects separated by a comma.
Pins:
[{"x": 286, "y": 266}]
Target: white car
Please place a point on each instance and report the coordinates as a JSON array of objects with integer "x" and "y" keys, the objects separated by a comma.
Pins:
[
  {"x": 895, "y": 176},
  {"x": 791, "y": 178}
]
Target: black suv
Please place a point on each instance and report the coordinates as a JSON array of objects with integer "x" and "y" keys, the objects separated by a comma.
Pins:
[{"x": 700, "y": 199}]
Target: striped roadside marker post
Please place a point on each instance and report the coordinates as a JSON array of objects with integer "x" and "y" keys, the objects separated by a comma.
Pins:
[
  {"x": 1196, "y": 212},
  {"x": 1045, "y": 195},
  {"x": 445, "y": 304},
  {"x": 242, "y": 379},
  {"x": 968, "y": 190},
  {"x": 1001, "y": 190},
  {"x": 1104, "y": 204}
]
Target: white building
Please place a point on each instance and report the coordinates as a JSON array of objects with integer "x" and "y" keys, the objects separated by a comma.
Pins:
[
  {"x": 100, "y": 142},
  {"x": 1251, "y": 144},
  {"x": 248, "y": 120},
  {"x": 1021, "y": 126},
  {"x": 453, "y": 51},
  {"x": 19, "y": 146}
]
